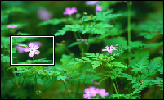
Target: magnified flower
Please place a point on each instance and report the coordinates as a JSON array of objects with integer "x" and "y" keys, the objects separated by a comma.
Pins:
[
  {"x": 70, "y": 11},
  {"x": 44, "y": 14},
  {"x": 110, "y": 50},
  {"x": 33, "y": 50}
]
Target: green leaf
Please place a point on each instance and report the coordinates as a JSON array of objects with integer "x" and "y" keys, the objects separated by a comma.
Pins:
[
  {"x": 60, "y": 32},
  {"x": 60, "y": 77},
  {"x": 95, "y": 64},
  {"x": 51, "y": 22},
  {"x": 73, "y": 44}
]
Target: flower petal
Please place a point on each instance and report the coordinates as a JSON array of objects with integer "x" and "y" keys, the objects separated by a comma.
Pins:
[
  {"x": 104, "y": 50},
  {"x": 110, "y": 51},
  {"x": 35, "y": 43},
  {"x": 14, "y": 26},
  {"x": 107, "y": 47},
  {"x": 27, "y": 49},
  {"x": 36, "y": 47},
  {"x": 98, "y": 8},
  {"x": 31, "y": 45},
  {"x": 9, "y": 26},
  {"x": 31, "y": 54},
  {"x": 74, "y": 9},
  {"x": 20, "y": 49},
  {"x": 85, "y": 95},
  {"x": 67, "y": 9},
  {"x": 36, "y": 52},
  {"x": 87, "y": 90}
]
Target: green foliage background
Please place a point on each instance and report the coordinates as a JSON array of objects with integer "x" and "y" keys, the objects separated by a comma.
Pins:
[{"x": 134, "y": 71}]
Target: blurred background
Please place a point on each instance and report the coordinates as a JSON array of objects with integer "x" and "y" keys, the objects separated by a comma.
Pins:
[{"x": 29, "y": 14}]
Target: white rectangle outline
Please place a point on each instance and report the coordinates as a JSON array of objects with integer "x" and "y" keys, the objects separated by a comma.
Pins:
[{"x": 32, "y": 64}]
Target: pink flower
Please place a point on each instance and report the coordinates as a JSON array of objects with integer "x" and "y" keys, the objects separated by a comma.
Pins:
[
  {"x": 44, "y": 14},
  {"x": 12, "y": 26},
  {"x": 90, "y": 92},
  {"x": 92, "y": 2},
  {"x": 98, "y": 8},
  {"x": 33, "y": 50},
  {"x": 103, "y": 93},
  {"x": 110, "y": 50},
  {"x": 70, "y": 11}
]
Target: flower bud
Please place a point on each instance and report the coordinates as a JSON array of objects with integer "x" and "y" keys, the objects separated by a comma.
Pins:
[{"x": 117, "y": 45}]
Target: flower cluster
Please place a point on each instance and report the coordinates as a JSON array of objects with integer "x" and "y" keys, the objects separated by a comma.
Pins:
[
  {"x": 70, "y": 11},
  {"x": 110, "y": 50},
  {"x": 92, "y": 91}
]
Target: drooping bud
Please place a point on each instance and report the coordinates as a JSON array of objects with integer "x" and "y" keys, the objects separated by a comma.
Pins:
[{"x": 23, "y": 45}]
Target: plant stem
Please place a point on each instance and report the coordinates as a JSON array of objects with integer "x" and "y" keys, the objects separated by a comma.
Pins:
[
  {"x": 11, "y": 80},
  {"x": 15, "y": 78},
  {"x": 66, "y": 90},
  {"x": 35, "y": 79},
  {"x": 115, "y": 88},
  {"x": 129, "y": 27}
]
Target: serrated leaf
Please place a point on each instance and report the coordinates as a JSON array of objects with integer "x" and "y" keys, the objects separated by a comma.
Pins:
[
  {"x": 60, "y": 77},
  {"x": 95, "y": 64}
]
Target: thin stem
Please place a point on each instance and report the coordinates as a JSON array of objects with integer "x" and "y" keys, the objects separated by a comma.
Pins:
[
  {"x": 115, "y": 88},
  {"x": 35, "y": 79},
  {"x": 11, "y": 80},
  {"x": 15, "y": 78},
  {"x": 88, "y": 43},
  {"x": 66, "y": 90},
  {"x": 78, "y": 84},
  {"x": 47, "y": 85},
  {"x": 129, "y": 26},
  {"x": 24, "y": 79}
]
